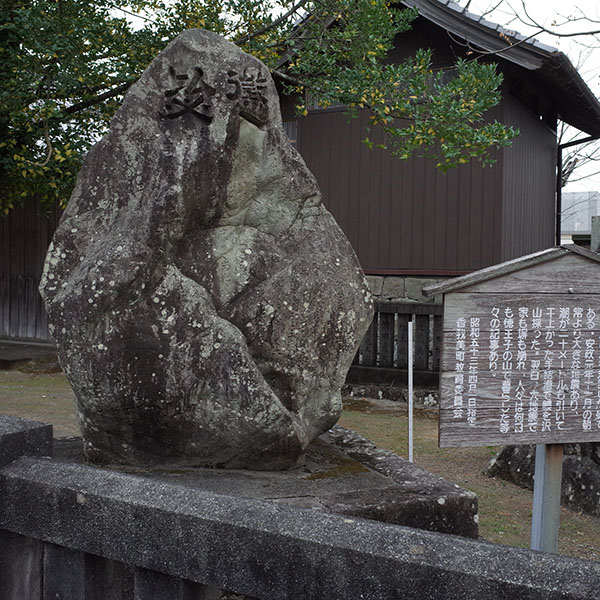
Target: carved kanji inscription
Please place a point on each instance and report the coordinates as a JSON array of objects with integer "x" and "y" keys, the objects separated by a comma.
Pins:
[
  {"x": 188, "y": 93},
  {"x": 249, "y": 89}
]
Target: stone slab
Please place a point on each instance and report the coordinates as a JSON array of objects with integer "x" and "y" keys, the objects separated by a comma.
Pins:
[
  {"x": 393, "y": 288},
  {"x": 18, "y": 350},
  {"x": 21, "y": 437},
  {"x": 375, "y": 284},
  {"x": 268, "y": 550},
  {"x": 418, "y": 498},
  {"x": 342, "y": 473},
  {"x": 414, "y": 288}
]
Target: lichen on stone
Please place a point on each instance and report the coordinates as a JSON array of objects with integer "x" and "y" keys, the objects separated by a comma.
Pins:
[{"x": 231, "y": 304}]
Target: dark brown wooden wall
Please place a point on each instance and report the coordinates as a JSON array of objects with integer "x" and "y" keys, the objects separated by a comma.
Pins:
[
  {"x": 26, "y": 234},
  {"x": 424, "y": 34},
  {"x": 407, "y": 217},
  {"x": 529, "y": 182},
  {"x": 403, "y": 216}
]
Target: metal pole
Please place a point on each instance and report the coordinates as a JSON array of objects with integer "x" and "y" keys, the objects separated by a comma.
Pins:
[
  {"x": 410, "y": 389},
  {"x": 546, "y": 497},
  {"x": 559, "y": 180}
]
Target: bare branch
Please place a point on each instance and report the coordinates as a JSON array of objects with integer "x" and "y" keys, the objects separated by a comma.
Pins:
[
  {"x": 48, "y": 144},
  {"x": 272, "y": 25},
  {"x": 584, "y": 177},
  {"x": 480, "y": 53},
  {"x": 543, "y": 29},
  {"x": 489, "y": 10}
]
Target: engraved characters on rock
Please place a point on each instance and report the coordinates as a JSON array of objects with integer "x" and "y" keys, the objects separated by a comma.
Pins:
[
  {"x": 249, "y": 90},
  {"x": 189, "y": 93}
]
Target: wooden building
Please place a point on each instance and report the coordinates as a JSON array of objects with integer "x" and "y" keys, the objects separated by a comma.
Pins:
[
  {"x": 26, "y": 234},
  {"x": 406, "y": 218}
]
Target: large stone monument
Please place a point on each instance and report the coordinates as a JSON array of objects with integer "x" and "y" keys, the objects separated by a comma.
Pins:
[{"x": 204, "y": 303}]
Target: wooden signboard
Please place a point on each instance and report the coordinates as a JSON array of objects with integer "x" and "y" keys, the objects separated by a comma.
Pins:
[{"x": 521, "y": 352}]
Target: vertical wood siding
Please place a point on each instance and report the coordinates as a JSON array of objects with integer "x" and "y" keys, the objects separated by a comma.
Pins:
[
  {"x": 403, "y": 215},
  {"x": 26, "y": 234},
  {"x": 529, "y": 184},
  {"x": 406, "y": 216}
]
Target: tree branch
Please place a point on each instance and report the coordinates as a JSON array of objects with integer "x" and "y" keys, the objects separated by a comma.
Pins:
[
  {"x": 50, "y": 148},
  {"x": 550, "y": 31},
  {"x": 136, "y": 15},
  {"x": 288, "y": 79},
  {"x": 97, "y": 99},
  {"x": 489, "y": 10},
  {"x": 272, "y": 25},
  {"x": 509, "y": 45}
]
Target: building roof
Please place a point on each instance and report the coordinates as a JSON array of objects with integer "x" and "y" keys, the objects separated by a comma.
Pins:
[
  {"x": 550, "y": 68},
  {"x": 510, "y": 266}
]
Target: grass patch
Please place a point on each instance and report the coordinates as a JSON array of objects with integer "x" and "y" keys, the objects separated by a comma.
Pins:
[{"x": 42, "y": 397}]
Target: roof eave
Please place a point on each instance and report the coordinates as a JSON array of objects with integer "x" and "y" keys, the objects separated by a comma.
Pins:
[
  {"x": 545, "y": 61},
  {"x": 484, "y": 35},
  {"x": 507, "y": 267},
  {"x": 559, "y": 67}
]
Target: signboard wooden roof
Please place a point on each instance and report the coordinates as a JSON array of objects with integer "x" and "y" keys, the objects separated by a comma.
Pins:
[{"x": 521, "y": 351}]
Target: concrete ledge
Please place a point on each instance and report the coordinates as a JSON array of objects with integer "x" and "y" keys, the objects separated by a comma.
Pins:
[
  {"x": 20, "y": 437},
  {"x": 33, "y": 354},
  {"x": 269, "y": 550}
]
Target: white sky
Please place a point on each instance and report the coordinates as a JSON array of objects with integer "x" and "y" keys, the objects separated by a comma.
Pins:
[{"x": 583, "y": 51}]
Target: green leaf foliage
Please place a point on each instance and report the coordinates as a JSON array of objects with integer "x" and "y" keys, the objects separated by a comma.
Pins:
[{"x": 65, "y": 65}]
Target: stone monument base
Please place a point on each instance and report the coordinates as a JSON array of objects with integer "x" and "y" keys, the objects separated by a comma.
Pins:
[{"x": 342, "y": 473}]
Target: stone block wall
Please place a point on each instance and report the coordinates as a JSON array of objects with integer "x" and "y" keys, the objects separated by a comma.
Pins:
[{"x": 401, "y": 288}]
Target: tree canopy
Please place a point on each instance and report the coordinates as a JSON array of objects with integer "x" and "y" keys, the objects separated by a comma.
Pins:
[{"x": 66, "y": 64}]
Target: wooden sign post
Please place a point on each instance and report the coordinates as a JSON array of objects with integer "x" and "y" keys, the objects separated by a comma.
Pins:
[{"x": 521, "y": 364}]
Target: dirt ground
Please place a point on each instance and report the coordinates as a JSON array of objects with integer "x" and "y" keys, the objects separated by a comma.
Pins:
[{"x": 504, "y": 508}]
